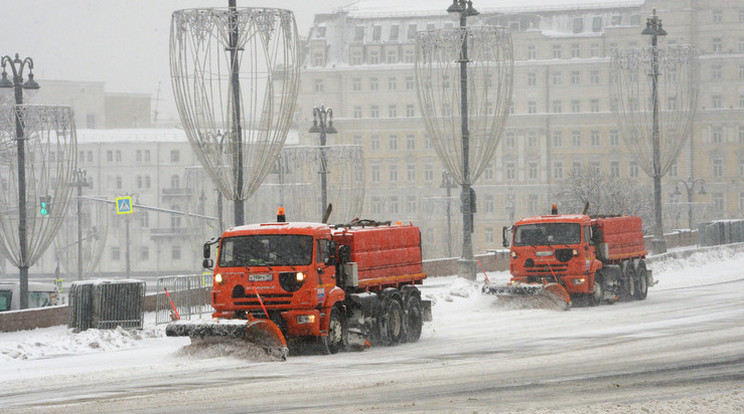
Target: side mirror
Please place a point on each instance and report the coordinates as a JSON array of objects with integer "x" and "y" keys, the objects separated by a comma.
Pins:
[
  {"x": 504, "y": 239},
  {"x": 207, "y": 251},
  {"x": 208, "y": 263}
]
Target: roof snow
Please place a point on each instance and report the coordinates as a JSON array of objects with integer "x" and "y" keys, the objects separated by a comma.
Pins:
[{"x": 369, "y": 8}]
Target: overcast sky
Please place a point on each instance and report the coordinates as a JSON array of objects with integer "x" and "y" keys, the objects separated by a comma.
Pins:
[{"x": 121, "y": 42}]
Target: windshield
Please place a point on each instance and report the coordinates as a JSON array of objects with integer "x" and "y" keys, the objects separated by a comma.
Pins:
[
  {"x": 266, "y": 249},
  {"x": 547, "y": 233}
]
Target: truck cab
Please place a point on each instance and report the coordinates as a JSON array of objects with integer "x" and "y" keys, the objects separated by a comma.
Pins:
[
  {"x": 282, "y": 271},
  {"x": 554, "y": 248}
]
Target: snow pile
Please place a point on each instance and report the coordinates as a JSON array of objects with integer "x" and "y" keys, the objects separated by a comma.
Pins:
[{"x": 59, "y": 341}]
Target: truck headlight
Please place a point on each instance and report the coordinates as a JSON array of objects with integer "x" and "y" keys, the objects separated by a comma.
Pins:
[
  {"x": 302, "y": 319},
  {"x": 579, "y": 281},
  {"x": 300, "y": 277},
  {"x": 218, "y": 278},
  {"x": 513, "y": 254}
]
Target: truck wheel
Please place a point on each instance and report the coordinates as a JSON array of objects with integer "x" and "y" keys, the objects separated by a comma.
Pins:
[
  {"x": 391, "y": 321},
  {"x": 629, "y": 280},
  {"x": 596, "y": 298},
  {"x": 414, "y": 318},
  {"x": 641, "y": 282},
  {"x": 334, "y": 341}
]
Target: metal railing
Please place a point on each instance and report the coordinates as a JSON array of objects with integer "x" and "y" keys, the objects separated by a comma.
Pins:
[
  {"x": 105, "y": 304},
  {"x": 190, "y": 295}
]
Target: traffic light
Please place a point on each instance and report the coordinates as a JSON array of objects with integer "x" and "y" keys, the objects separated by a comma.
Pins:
[{"x": 45, "y": 205}]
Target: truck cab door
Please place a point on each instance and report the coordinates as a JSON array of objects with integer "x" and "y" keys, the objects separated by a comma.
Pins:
[{"x": 589, "y": 250}]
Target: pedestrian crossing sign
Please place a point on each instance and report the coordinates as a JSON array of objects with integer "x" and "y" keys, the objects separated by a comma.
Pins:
[{"x": 124, "y": 205}]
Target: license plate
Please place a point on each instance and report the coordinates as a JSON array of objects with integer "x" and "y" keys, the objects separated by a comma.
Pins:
[
  {"x": 544, "y": 253},
  {"x": 263, "y": 277}
]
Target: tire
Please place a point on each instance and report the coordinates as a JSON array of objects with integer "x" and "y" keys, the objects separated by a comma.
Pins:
[
  {"x": 391, "y": 321},
  {"x": 414, "y": 318},
  {"x": 629, "y": 280},
  {"x": 595, "y": 298},
  {"x": 641, "y": 282},
  {"x": 335, "y": 340}
]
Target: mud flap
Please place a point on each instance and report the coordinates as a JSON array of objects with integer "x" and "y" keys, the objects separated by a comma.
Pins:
[
  {"x": 261, "y": 332},
  {"x": 531, "y": 295}
]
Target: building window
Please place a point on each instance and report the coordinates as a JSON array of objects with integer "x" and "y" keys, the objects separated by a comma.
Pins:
[
  {"x": 556, "y": 51},
  {"x": 557, "y": 107},
  {"x": 392, "y": 83},
  {"x": 90, "y": 121},
  {"x": 531, "y": 79},
  {"x": 374, "y": 57},
  {"x": 510, "y": 140},
  {"x": 531, "y": 52},
  {"x": 595, "y": 137},
  {"x": 376, "y": 205},
  {"x": 393, "y": 33},
  {"x": 176, "y": 252},
  {"x": 357, "y": 111},
  {"x": 375, "y": 170},
  {"x": 429, "y": 173},
  {"x": 532, "y": 171},
  {"x": 717, "y": 135},
  {"x": 175, "y": 181},
  {"x": 356, "y": 84},
  {"x": 575, "y": 78},
  {"x": 718, "y": 201},
  {"x": 392, "y": 111},
  {"x": 576, "y": 51},
  {"x": 318, "y": 85},
  {"x": 718, "y": 168},
  {"x": 717, "y": 45},
  {"x": 410, "y": 111},
  {"x": 511, "y": 171},
  {"x": 393, "y": 142},
  {"x": 594, "y": 77},
  {"x": 633, "y": 169},
  {"x": 410, "y": 83},
  {"x": 594, "y": 105},
  {"x": 411, "y": 205},
  {"x": 488, "y": 233},
  {"x": 489, "y": 204},
  {"x": 558, "y": 170},
  {"x": 374, "y": 142},
  {"x": 392, "y": 56},
  {"x": 575, "y": 106},
  {"x": 411, "y": 173},
  {"x": 578, "y": 25},
  {"x": 118, "y": 156},
  {"x": 717, "y": 16},
  {"x": 393, "y": 173},
  {"x": 359, "y": 34},
  {"x": 717, "y": 102},
  {"x": 488, "y": 172},
  {"x": 557, "y": 139},
  {"x": 615, "y": 169},
  {"x": 410, "y": 142},
  {"x": 557, "y": 78},
  {"x": 531, "y": 107},
  {"x": 175, "y": 156},
  {"x": 412, "y": 31},
  {"x": 596, "y": 24},
  {"x": 575, "y": 169},
  {"x": 318, "y": 59},
  {"x": 356, "y": 57},
  {"x": 374, "y": 111},
  {"x": 118, "y": 182},
  {"x": 716, "y": 72},
  {"x": 374, "y": 84},
  {"x": 576, "y": 138},
  {"x": 741, "y": 134},
  {"x": 393, "y": 205},
  {"x": 408, "y": 56},
  {"x": 148, "y": 183},
  {"x": 614, "y": 138},
  {"x": 594, "y": 50},
  {"x": 144, "y": 253}
]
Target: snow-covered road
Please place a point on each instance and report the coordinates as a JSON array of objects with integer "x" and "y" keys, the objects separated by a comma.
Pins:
[{"x": 678, "y": 351}]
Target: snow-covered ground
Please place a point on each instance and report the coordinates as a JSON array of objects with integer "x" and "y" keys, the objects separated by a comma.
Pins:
[{"x": 667, "y": 354}]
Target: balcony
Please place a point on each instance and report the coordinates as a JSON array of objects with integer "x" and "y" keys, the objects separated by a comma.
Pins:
[{"x": 177, "y": 192}]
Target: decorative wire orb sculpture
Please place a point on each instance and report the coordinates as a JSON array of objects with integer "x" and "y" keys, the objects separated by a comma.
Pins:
[
  {"x": 490, "y": 77},
  {"x": 631, "y": 93},
  {"x": 95, "y": 229},
  {"x": 50, "y": 161},
  {"x": 294, "y": 184},
  {"x": 237, "y": 136}
]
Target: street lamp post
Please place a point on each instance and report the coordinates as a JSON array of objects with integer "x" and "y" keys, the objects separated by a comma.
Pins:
[
  {"x": 449, "y": 184},
  {"x": 80, "y": 182},
  {"x": 18, "y": 66},
  {"x": 323, "y": 124},
  {"x": 467, "y": 263},
  {"x": 654, "y": 29},
  {"x": 690, "y": 187}
]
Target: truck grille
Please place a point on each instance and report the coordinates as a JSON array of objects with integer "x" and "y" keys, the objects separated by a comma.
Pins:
[
  {"x": 269, "y": 299},
  {"x": 545, "y": 270}
]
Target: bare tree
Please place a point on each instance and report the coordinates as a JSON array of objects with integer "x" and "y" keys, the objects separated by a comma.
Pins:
[{"x": 606, "y": 195}]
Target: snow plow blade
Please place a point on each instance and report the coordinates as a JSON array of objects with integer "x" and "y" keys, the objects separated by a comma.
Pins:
[
  {"x": 531, "y": 295},
  {"x": 260, "y": 332}
]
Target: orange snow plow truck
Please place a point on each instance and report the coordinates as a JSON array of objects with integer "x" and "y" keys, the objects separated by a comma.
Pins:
[
  {"x": 557, "y": 259},
  {"x": 334, "y": 287}
]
